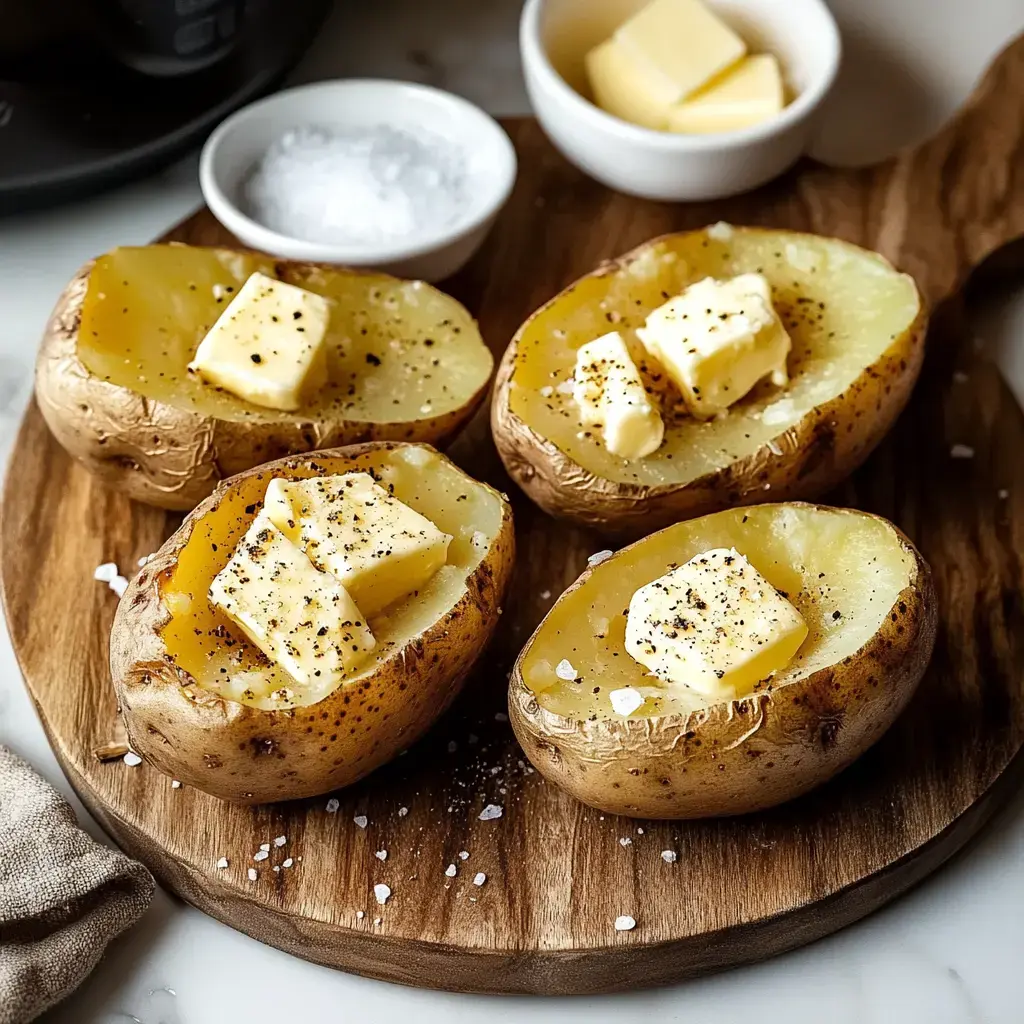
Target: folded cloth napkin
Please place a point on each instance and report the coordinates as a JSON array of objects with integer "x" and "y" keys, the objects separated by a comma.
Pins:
[{"x": 63, "y": 896}]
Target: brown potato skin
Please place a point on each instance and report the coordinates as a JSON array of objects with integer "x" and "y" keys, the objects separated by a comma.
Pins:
[
  {"x": 111, "y": 429},
  {"x": 818, "y": 452},
  {"x": 247, "y": 755},
  {"x": 744, "y": 755}
]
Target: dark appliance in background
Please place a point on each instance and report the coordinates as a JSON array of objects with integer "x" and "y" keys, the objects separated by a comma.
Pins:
[{"x": 93, "y": 92}]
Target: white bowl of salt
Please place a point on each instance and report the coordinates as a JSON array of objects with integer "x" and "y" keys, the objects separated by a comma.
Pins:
[{"x": 361, "y": 172}]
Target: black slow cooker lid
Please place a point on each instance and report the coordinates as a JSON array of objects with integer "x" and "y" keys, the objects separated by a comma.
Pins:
[{"x": 97, "y": 123}]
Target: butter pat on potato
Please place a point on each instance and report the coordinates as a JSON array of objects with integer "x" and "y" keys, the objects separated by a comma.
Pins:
[
  {"x": 714, "y": 624},
  {"x": 378, "y": 547},
  {"x": 268, "y": 345}
]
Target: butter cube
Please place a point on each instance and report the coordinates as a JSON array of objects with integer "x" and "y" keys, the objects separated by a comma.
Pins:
[
  {"x": 299, "y": 617},
  {"x": 622, "y": 87},
  {"x": 268, "y": 345},
  {"x": 746, "y": 94},
  {"x": 714, "y": 624},
  {"x": 681, "y": 45},
  {"x": 379, "y": 548},
  {"x": 611, "y": 397},
  {"x": 717, "y": 340}
]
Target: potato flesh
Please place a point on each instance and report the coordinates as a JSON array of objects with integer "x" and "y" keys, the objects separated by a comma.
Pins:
[
  {"x": 397, "y": 350},
  {"x": 842, "y": 307},
  {"x": 195, "y": 633},
  {"x": 825, "y": 561}
]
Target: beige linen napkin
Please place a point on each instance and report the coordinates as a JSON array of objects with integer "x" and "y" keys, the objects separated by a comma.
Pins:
[{"x": 63, "y": 896}]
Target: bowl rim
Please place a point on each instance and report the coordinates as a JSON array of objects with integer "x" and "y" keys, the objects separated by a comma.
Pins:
[
  {"x": 486, "y": 131},
  {"x": 536, "y": 60}
]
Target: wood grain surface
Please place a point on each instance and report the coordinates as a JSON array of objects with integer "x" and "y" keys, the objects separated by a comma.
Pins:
[{"x": 559, "y": 873}]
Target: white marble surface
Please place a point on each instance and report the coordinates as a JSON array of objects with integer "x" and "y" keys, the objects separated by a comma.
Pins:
[{"x": 947, "y": 953}]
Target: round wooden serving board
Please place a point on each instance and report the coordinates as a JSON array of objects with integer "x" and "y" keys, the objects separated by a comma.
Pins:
[{"x": 558, "y": 873}]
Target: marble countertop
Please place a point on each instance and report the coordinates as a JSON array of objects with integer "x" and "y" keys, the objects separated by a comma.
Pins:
[{"x": 947, "y": 953}]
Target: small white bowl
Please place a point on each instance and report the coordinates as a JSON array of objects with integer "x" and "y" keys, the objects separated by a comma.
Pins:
[
  {"x": 234, "y": 149},
  {"x": 555, "y": 35}
]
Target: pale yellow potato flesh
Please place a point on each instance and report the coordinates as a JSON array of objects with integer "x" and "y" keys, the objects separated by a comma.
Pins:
[
  {"x": 843, "y": 307},
  {"x": 824, "y": 561},
  {"x": 397, "y": 350},
  {"x": 195, "y": 633}
]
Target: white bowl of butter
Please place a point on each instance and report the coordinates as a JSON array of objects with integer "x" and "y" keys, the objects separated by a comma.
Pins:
[{"x": 696, "y": 152}]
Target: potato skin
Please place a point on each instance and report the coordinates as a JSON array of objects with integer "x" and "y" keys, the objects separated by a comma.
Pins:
[
  {"x": 248, "y": 755},
  {"x": 744, "y": 755},
  {"x": 818, "y": 452},
  {"x": 171, "y": 457}
]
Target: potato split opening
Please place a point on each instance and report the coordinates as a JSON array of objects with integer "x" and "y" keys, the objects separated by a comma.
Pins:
[
  {"x": 397, "y": 350},
  {"x": 842, "y": 570},
  {"x": 842, "y": 306},
  {"x": 195, "y": 633}
]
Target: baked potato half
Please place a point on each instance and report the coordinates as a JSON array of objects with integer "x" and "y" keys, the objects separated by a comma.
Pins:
[
  {"x": 405, "y": 362},
  {"x": 867, "y": 597},
  {"x": 857, "y": 327},
  {"x": 204, "y": 705}
]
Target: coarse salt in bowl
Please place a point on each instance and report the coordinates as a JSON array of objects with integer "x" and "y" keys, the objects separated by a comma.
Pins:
[{"x": 362, "y": 172}]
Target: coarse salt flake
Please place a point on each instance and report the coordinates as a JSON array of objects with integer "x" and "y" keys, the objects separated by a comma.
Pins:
[
  {"x": 131, "y": 759},
  {"x": 362, "y": 185},
  {"x": 280, "y": 841},
  {"x": 624, "y": 923},
  {"x": 625, "y": 700},
  {"x": 332, "y": 805},
  {"x": 490, "y": 812},
  {"x": 381, "y": 855},
  {"x": 450, "y": 870},
  {"x": 669, "y": 856},
  {"x": 479, "y": 878},
  {"x": 403, "y": 811},
  {"x": 105, "y": 573},
  {"x": 260, "y": 855},
  {"x": 625, "y": 841},
  {"x": 287, "y": 862},
  {"x": 452, "y": 746},
  {"x": 118, "y": 585},
  {"x": 1002, "y": 494},
  {"x": 253, "y": 874},
  {"x": 360, "y": 820},
  {"x": 265, "y": 847},
  {"x": 564, "y": 670},
  {"x": 720, "y": 231},
  {"x": 382, "y": 893},
  {"x": 600, "y": 556},
  {"x": 175, "y": 784},
  {"x": 463, "y": 854},
  {"x": 360, "y": 914},
  {"x": 961, "y": 451},
  {"x": 222, "y": 863}
]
